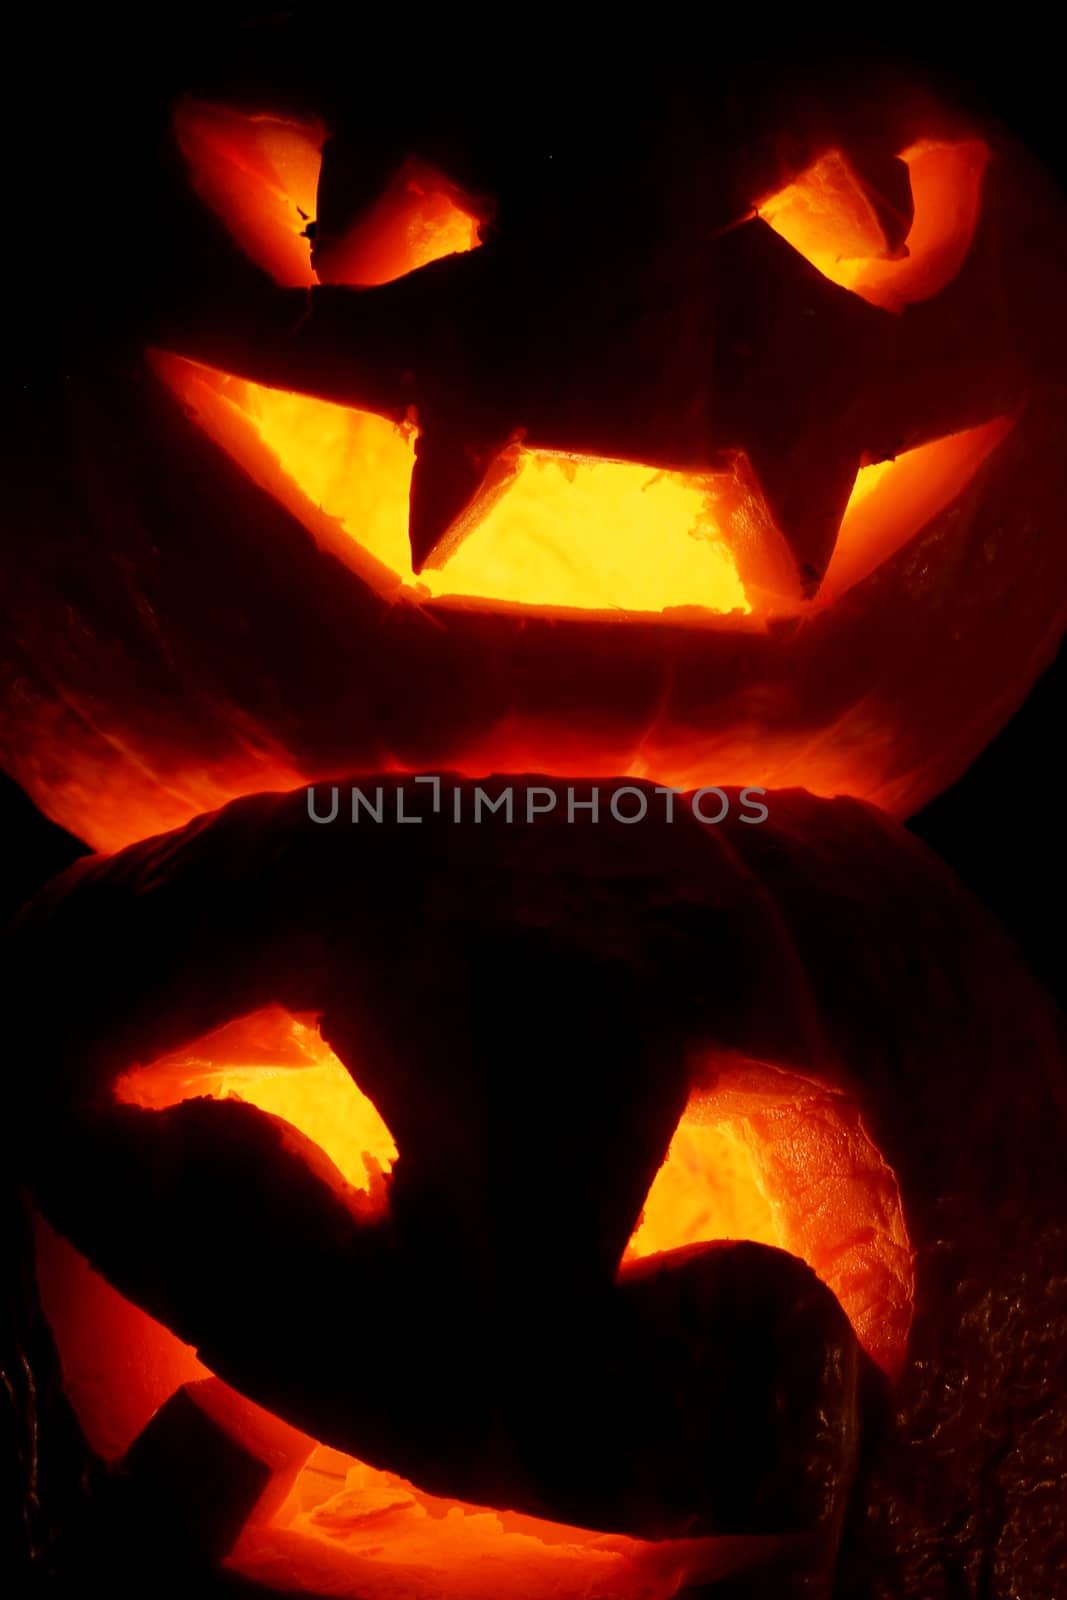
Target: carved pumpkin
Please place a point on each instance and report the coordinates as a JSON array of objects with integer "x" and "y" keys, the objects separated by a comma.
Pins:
[
  {"x": 714, "y": 1003},
  {"x": 392, "y": 450},
  {"x": 732, "y": 457}
]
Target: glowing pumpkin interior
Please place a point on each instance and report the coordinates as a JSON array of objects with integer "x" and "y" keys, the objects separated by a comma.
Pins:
[
  {"x": 260, "y": 175},
  {"x": 760, "y": 1154},
  {"x": 830, "y": 216},
  {"x": 566, "y": 534}
]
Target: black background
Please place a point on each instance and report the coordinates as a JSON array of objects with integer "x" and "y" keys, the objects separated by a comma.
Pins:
[{"x": 75, "y": 87}]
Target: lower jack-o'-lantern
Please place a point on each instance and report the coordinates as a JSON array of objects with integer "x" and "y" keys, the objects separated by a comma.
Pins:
[{"x": 393, "y": 1183}]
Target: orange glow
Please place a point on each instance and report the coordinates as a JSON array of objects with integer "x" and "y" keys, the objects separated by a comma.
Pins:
[
  {"x": 119, "y": 1364},
  {"x": 341, "y": 1527},
  {"x": 154, "y": 794},
  {"x": 892, "y": 500},
  {"x": 827, "y": 215},
  {"x": 260, "y": 176},
  {"x": 419, "y": 219},
  {"x": 117, "y": 776},
  {"x": 761, "y": 1154},
  {"x": 578, "y": 534},
  {"x": 770, "y": 1156},
  {"x": 708, "y": 1188},
  {"x": 281, "y": 1064},
  {"x": 601, "y": 535},
  {"x": 347, "y": 1529}
]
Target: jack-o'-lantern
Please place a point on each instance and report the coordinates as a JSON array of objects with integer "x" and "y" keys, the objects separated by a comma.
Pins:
[
  {"x": 732, "y": 457},
  {"x": 727, "y": 453},
  {"x": 483, "y": 1276}
]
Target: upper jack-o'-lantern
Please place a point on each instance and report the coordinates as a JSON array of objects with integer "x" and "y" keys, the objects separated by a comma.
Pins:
[{"x": 718, "y": 448}]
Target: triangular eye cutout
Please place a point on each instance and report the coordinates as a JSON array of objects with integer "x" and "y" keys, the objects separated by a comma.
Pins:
[
  {"x": 419, "y": 218},
  {"x": 259, "y": 173},
  {"x": 831, "y": 216}
]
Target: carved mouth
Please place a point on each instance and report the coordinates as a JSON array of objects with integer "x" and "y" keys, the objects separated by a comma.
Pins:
[{"x": 560, "y": 533}]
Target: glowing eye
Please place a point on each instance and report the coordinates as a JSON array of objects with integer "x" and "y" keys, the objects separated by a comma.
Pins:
[
  {"x": 260, "y": 175},
  {"x": 281, "y": 1064},
  {"x": 772, "y": 1157},
  {"x": 829, "y": 216},
  {"x": 419, "y": 218}
]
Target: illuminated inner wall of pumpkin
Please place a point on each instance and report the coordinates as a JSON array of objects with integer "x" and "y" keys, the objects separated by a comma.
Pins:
[
  {"x": 770, "y": 1156},
  {"x": 760, "y": 1154},
  {"x": 566, "y": 534},
  {"x": 344, "y": 476},
  {"x": 831, "y": 219},
  {"x": 260, "y": 175}
]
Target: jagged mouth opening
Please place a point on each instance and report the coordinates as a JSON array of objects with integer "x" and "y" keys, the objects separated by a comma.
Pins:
[{"x": 561, "y": 534}]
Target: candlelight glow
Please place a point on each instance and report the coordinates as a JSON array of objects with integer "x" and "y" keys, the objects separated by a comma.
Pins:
[
  {"x": 769, "y": 1156},
  {"x": 590, "y": 535},
  {"x": 327, "y": 1523},
  {"x": 281, "y": 1064},
  {"x": 829, "y": 216},
  {"x": 892, "y": 501},
  {"x": 259, "y": 174},
  {"x": 760, "y": 1154},
  {"x": 746, "y": 1161}
]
